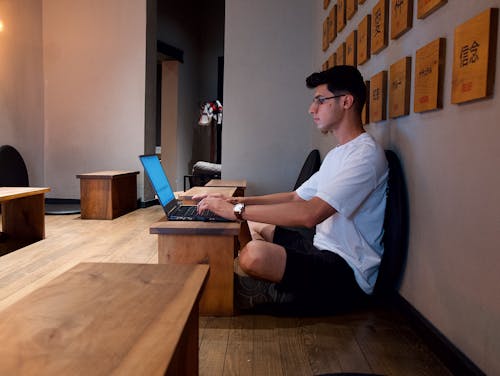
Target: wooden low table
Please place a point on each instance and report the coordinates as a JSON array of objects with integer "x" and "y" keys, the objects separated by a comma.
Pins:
[
  {"x": 107, "y": 194},
  {"x": 103, "y": 319},
  {"x": 240, "y": 185},
  {"x": 212, "y": 243},
  {"x": 23, "y": 213}
]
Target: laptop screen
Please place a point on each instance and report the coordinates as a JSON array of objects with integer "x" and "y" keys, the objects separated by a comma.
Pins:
[{"x": 158, "y": 179}]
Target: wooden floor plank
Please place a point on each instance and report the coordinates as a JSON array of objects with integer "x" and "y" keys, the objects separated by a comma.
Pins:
[
  {"x": 240, "y": 351},
  {"x": 390, "y": 351},
  {"x": 71, "y": 240},
  {"x": 214, "y": 338},
  {"x": 376, "y": 340},
  {"x": 333, "y": 348},
  {"x": 267, "y": 355},
  {"x": 294, "y": 357}
]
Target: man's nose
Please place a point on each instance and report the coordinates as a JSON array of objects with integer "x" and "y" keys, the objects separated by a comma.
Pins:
[{"x": 313, "y": 108}]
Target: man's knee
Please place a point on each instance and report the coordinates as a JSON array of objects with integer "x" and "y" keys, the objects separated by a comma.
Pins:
[{"x": 251, "y": 257}]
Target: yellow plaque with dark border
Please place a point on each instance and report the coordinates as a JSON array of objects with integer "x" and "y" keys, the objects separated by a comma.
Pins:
[
  {"x": 399, "y": 87},
  {"x": 351, "y": 52},
  {"x": 426, "y": 7},
  {"x": 401, "y": 17},
  {"x": 340, "y": 58},
  {"x": 341, "y": 22},
  {"x": 364, "y": 40},
  {"x": 378, "y": 97},
  {"x": 332, "y": 30},
  {"x": 474, "y": 57},
  {"x": 351, "y": 8},
  {"x": 429, "y": 75},
  {"x": 380, "y": 16}
]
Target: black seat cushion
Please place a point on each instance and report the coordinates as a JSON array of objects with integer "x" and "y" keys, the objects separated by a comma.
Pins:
[
  {"x": 310, "y": 166},
  {"x": 13, "y": 171},
  {"x": 396, "y": 227}
]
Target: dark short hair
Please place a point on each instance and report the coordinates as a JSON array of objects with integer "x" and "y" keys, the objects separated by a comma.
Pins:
[{"x": 341, "y": 78}]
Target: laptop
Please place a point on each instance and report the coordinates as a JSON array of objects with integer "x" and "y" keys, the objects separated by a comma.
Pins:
[{"x": 173, "y": 208}]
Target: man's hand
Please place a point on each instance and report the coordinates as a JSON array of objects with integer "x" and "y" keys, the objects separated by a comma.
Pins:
[
  {"x": 232, "y": 200},
  {"x": 205, "y": 195},
  {"x": 217, "y": 204}
]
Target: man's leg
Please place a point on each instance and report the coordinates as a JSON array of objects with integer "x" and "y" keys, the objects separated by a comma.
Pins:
[
  {"x": 261, "y": 231},
  {"x": 264, "y": 265},
  {"x": 264, "y": 260}
]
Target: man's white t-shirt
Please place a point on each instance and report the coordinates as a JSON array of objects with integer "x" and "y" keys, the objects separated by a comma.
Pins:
[{"x": 353, "y": 180}]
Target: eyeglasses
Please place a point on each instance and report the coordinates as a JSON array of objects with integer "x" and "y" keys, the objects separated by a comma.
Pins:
[{"x": 322, "y": 100}]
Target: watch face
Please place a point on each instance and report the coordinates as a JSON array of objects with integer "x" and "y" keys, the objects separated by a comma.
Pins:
[{"x": 238, "y": 207}]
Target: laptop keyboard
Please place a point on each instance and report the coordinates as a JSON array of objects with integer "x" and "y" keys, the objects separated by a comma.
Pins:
[{"x": 191, "y": 211}]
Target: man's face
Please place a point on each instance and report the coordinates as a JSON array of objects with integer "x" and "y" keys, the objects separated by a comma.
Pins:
[{"x": 325, "y": 110}]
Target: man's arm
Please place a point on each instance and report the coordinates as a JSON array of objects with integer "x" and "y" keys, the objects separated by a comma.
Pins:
[
  {"x": 292, "y": 211},
  {"x": 275, "y": 198},
  {"x": 300, "y": 213}
]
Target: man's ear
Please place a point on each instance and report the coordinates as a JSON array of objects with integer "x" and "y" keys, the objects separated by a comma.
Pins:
[{"x": 348, "y": 101}]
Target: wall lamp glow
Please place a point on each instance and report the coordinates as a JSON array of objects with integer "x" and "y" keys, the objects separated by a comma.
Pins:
[{"x": 1, "y": 26}]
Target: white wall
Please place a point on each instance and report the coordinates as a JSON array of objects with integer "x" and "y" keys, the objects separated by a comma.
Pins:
[
  {"x": 451, "y": 160},
  {"x": 94, "y": 71},
  {"x": 21, "y": 88},
  {"x": 267, "y": 131}
]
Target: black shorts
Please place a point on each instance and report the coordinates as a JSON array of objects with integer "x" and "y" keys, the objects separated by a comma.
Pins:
[{"x": 316, "y": 277}]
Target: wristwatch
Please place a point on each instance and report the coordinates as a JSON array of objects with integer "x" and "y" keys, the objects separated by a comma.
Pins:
[{"x": 238, "y": 210}]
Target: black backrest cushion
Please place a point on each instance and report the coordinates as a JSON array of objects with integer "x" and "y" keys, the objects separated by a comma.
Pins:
[
  {"x": 311, "y": 165},
  {"x": 13, "y": 172},
  {"x": 396, "y": 226}
]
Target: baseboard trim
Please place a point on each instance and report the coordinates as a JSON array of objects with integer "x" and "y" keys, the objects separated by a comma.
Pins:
[
  {"x": 62, "y": 201},
  {"x": 147, "y": 204},
  {"x": 454, "y": 359},
  {"x": 140, "y": 204}
]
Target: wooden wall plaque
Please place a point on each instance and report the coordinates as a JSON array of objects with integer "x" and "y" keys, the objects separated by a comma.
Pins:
[
  {"x": 361, "y": 1},
  {"x": 378, "y": 97},
  {"x": 325, "y": 35},
  {"x": 401, "y": 17},
  {"x": 380, "y": 17},
  {"x": 332, "y": 31},
  {"x": 340, "y": 55},
  {"x": 325, "y": 4},
  {"x": 365, "y": 113},
  {"x": 399, "y": 87},
  {"x": 351, "y": 51},
  {"x": 351, "y": 7},
  {"x": 429, "y": 76},
  {"x": 340, "y": 15},
  {"x": 364, "y": 40},
  {"x": 331, "y": 60},
  {"x": 426, "y": 7},
  {"x": 474, "y": 57}
]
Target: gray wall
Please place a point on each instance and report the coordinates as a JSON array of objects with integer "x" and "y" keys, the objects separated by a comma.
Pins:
[
  {"x": 268, "y": 54},
  {"x": 451, "y": 160},
  {"x": 450, "y": 156}
]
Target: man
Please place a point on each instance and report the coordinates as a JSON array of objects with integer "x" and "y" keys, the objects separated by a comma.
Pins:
[{"x": 344, "y": 201}]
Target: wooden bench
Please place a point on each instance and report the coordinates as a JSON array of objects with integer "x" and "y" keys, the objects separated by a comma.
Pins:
[
  {"x": 23, "y": 216},
  {"x": 107, "y": 194},
  {"x": 240, "y": 185},
  {"x": 102, "y": 319}
]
